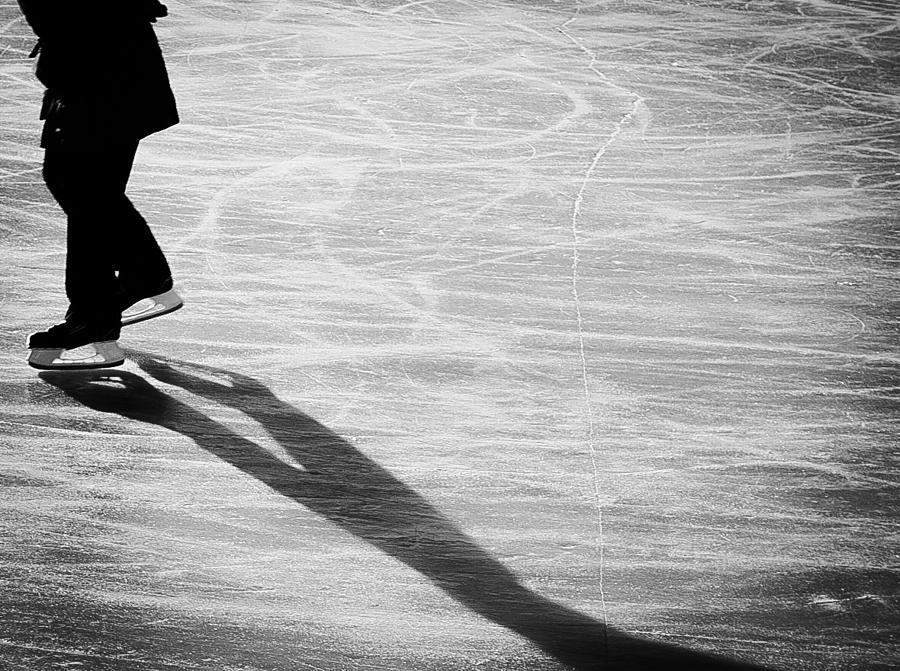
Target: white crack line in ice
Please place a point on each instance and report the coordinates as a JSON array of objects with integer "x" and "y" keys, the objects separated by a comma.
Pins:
[{"x": 638, "y": 111}]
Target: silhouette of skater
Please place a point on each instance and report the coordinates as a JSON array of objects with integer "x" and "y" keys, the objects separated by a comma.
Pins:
[
  {"x": 352, "y": 491},
  {"x": 107, "y": 88}
]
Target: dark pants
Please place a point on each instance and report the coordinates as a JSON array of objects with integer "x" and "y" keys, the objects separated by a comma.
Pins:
[{"x": 110, "y": 249}]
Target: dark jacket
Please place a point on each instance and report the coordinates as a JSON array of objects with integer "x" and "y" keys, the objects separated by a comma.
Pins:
[{"x": 102, "y": 66}]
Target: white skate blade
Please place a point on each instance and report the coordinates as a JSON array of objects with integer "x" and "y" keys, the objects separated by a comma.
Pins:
[
  {"x": 155, "y": 306},
  {"x": 95, "y": 355}
]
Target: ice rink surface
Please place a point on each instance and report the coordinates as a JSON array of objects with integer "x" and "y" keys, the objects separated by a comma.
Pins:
[{"x": 504, "y": 320}]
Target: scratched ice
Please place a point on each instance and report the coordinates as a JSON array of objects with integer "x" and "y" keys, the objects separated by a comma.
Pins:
[{"x": 504, "y": 320}]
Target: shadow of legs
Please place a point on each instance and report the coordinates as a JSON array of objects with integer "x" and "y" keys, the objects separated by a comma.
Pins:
[{"x": 353, "y": 492}]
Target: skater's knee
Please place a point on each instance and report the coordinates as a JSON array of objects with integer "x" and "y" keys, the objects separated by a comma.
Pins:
[
  {"x": 57, "y": 176},
  {"x": 78, "y": 195},
  {"x": 50, "y": 175}
]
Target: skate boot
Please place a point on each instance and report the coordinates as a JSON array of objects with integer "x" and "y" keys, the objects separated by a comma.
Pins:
[
  {"x": 75, "y": 345},
  {"x": 140, "y": 304}
]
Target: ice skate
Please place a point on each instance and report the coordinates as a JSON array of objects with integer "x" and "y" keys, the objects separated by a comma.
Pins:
[
  {"x": 140, "y": 305},
  {"x": 152, "y": 306},
  {"x": 75, "y": 346}
]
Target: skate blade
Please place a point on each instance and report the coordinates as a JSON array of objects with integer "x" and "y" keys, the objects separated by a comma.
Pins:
[
  {"x": 95, "y": 355},
  {"x": 155, "y": 306}
]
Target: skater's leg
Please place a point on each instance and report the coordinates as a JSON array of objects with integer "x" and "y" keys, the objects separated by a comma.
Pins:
[
  {"x": 145, "y": 279},
  {"x": 79, "y": 180},
  {"x": 106, "y": 235},
  {"x": 140, "y": 262},
  {"x": 83, "y": 181}
]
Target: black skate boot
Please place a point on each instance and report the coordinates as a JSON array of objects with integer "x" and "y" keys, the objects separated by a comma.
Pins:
[{"x": 76, "y": 344}]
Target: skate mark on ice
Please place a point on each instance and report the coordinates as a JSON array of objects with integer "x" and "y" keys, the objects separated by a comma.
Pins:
[{"x": 638, "y": 111}]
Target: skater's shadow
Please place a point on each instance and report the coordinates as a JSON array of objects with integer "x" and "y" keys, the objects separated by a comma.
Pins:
[{"x": 341, "y": 484}]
